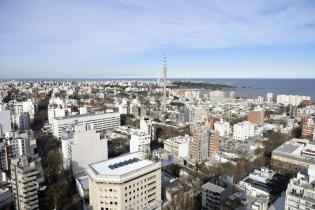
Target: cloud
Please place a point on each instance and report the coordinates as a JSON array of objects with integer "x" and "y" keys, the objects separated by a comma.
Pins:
[
  {"x": 110, "y": 27},
  {"x": 85, "y": 31}
]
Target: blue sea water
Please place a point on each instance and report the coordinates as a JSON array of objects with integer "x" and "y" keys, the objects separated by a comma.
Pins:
[{"x": 260, "y": 87}]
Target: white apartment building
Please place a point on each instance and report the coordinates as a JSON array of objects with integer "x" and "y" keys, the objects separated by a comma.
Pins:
[
  {"x": 178, "y": 146},
  {"x": 21, "y": 114},
  {"x": 269, "y": 97},
  {"x": 224, "y": 128},
  {"x": 300, "y": 193},
  {"x": 55, "y": 113},
  {"x": 293, "y": 100},
  {"x": 100, "y": 121},
  {"x": 87, "y": 141},
  {"x": 139, "y": 141},
  {"x": 243, "y": 131},
  {"x": 125, "y": 182},
  {"x": 25, "y": 179},
  {"x": 146, "y": 125},
  {"x": 5, "y": 121},
  {"x": 216, "y": 94},
  {"x": 197, "y": 113}
]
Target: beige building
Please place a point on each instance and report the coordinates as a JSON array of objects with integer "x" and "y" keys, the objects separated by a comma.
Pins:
[
  {"x": 26, "y": 175},
  {"x": 125, "y": 182},
  {"x": 204, "y": 144}
]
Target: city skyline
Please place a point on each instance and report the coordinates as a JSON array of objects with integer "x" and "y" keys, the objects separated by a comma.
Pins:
[{"x": 127, "y": 39}]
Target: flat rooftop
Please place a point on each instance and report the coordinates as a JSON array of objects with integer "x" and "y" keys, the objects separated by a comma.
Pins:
[
  {"x": 86, "y": 115},
  {"x": 120, "y": 165},
  {"x": 213, "y": 187},
  {"x": 287, "y": 148}
]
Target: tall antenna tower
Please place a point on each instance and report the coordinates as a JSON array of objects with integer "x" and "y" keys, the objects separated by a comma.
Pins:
[{"x": 164, "y": 85}]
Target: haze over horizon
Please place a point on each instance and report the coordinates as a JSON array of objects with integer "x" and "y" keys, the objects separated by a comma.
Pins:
[{"x": 124, "y": 38}]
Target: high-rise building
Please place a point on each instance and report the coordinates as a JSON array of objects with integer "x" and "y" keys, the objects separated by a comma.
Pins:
[
  {"x": 204, "y": 143},
  {"x": 125, "y": 182},
  {"x": 257, "y": 116},
  {"x": 5, "y": 121},
  {"x": 214, "y": 144},
  {"x": 5, "y": 155},
  {"x": 308, "y": 126},
  {"x": 300, "y": 193},
  {"x": 85, "y": 140},
  {"x": 269, "y": 97},
  {"x": 26, "y": 174},
  {"x": 146, "y": 125}
]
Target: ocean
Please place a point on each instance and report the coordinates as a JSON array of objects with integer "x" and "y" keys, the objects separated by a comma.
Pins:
[{"x": 260, "y": 87}]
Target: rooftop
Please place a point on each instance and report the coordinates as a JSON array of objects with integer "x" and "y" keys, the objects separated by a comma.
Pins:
[
  {"x": 120, "y": 165},
  {"x": 86, "y": 115},
  {"x": 213, "y": 187}
]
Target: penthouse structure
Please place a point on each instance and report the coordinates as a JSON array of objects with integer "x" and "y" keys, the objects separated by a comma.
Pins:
[
  {"x": 301, "y": 190},
  {"x": 125, "y": 182},
  {"x": 101, "y": 121},
  {"x": 298, "y": 152}
]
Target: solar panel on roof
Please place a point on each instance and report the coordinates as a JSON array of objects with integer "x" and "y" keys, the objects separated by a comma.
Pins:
[{"x": 123, "y": 163}]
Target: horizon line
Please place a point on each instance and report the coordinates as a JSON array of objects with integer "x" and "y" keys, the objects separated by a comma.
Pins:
[{"x": 135, "y": 77}]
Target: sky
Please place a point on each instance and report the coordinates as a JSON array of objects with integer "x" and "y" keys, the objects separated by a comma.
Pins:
[{"x": 127, "y": 38}]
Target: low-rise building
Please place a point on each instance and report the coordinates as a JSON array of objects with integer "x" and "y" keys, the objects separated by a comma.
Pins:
[
  {"x": 296, "y": 152},
  {"x": 178, "y": 146},
  {"x": 243, "y": 131},
  {"x": 223, "y": 127},
  {"x": 139, "y": 141}
]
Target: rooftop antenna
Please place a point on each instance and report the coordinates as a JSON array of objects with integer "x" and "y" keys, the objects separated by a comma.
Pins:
[{"x": 164, "y": 85}]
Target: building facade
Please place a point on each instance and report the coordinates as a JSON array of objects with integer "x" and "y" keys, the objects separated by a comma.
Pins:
[
  {"x": 204, "y": 143},
  {"x": 125, "y": 182},
  {"x": 243, "y": 131},
  {"x": 300, "y": 193},
  {"x": 178, "y": 146},
  {"x": 25, "y": 176},
  {"x": 85, "y": 140},
  {"x": 256, "y": 117},
  {"x": 100, "y": 121},
  {"x": 139, "y": 141}
]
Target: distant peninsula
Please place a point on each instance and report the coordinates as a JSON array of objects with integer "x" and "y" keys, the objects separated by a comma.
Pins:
[{"x": 200, "y": 85}]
